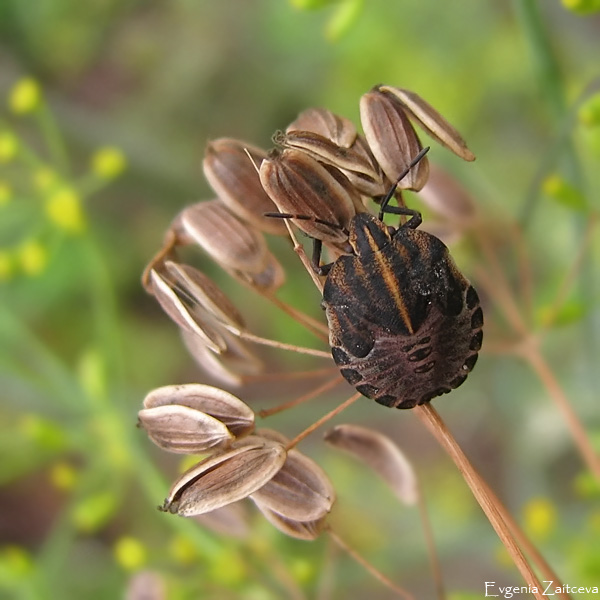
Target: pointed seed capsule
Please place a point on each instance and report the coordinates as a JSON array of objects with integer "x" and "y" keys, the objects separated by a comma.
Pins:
[
  {"x": 392, "y": 138},
  {"x": 236, "y": 415},
  {"x": 381, "y": 455},
  {"x": 299, "y": 185},
  {"x": 225, "y": 478},
  {"x": 300, "y": 491},
  {"x": 339, "y": 130},
  {"x": 431, "y": 121},
  {"x": 231, "y": 168}
]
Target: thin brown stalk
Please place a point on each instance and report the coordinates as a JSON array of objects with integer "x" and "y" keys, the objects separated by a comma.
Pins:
[
  {"x": 369, "y": 567},
  {"x": 301, "y": 399},
  {"x": 316, "y": 327},
  {"x": 285, "y": 376},
  {"x": 432, "y": 420},
  {"x": 533, "y": 356},
  {"x": 323, "y": 420},
  {"x": 571, "y": 276},
  {"x": 245, "y": 335},
  {"x": 436, "y": 568},
  {"x": 299, "y": 250},
  {"x": 524, "y": 267},
  {"x": 528, "y": 547},
  {"x": 499, "y": 289}
]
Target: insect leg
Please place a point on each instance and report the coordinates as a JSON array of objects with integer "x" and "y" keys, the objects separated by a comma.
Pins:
[
  {"x": 392, "y": 191},
  {"x": 415, "y": 215},
  {"x": 315, "y": 261}
]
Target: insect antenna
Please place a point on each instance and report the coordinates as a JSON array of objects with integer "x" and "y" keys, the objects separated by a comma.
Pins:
[
  {"x": 392, "y": 191},
  {"x": 280, "y": 215}
]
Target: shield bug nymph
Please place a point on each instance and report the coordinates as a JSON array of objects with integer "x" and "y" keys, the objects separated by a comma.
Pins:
[{"x": 404, "y": 323}]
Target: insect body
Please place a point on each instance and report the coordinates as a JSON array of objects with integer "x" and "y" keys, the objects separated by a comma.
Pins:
[{"x": 405, "y": 325}]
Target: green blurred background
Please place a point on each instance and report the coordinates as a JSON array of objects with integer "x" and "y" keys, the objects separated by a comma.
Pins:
[{"x": 146, "y": 84}]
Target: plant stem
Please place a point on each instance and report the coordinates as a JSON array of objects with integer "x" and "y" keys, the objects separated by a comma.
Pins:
[
  {"x": 531, "y": 353},
  {"x": 301, "y": 399},
  {"x": 369, "y": 567},
  {"x": 432, "y": 420},
  {"x": 322, "y": 420},
  {"x": 436, "y": 568}
]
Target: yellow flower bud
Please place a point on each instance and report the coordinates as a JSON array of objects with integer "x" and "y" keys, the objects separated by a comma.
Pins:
[
  {"x": 130, "y": 553},
  {"x": 6, "y": 265},
  {"x": 33, "y": 257},
  {"x": 5, "y": 193},
  {"x": 582, "y": 7},
  {"x": 108, "y": 162},
  {"x": 63, "y": 476},
  {"x": 9, "y": 145},
  {"x": 63, "y": 208},
  {"x": 25, "y": 96},
  {"x": 589, "y": 111},
  {"x": 540, "y": 517}
]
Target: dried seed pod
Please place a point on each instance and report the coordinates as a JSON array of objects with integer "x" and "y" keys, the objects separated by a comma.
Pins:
[
  {"x": 339, "y": 130},
  {"x": 237, "y": 247},
  {"x": 381, "y": 455},
  {"x": 392, "y": 139},
  {"x": 188, "y": 314},
  {"x": 228, "y": 409},
  {"x": 230, "y": 365},
  {"x": 447, "y": 197},
  {"x": 301, "y": 530},
  {"x": 273, "y": 434},
  {"x": 299, "y": 185},
  {"x": 357, "y": 162},
  {"x": 231, "y": 168},
  {"x": 301, "y": 491},
  {"x": 430, "y": 120},
  {"x": 183, "y": 430},
  {"x": 204, "y": 291},
  {"x": 232, "y": 244},
  {"x": 225, "y": 478}
]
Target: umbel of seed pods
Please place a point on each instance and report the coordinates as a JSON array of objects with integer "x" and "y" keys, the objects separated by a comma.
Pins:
[{"x": 404, "y": 324}]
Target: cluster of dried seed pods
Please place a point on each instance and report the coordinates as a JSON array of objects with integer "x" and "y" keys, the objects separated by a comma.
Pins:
[
  {"x": 290, "y": 489},
  {"x": 404, "y": 324}
]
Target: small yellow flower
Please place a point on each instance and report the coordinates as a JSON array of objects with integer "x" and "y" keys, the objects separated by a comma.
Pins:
[
  {"x": 9, "y": 145},
  {"x": 6, "y": 265},
  {"x": 582, "y": 7},
  {"x": 130, "y": 553},
  {"x": 25, "y": 96},
  {"x": 63, "y": 476},
  {"x": 108, "y": 162},
  {"x": 589, "y": 111},
  {"x": 63, "y": 208},
  {"x": 540, "y": 517},
  {"x": 44, "y": 178},
  {"x": 33, "y": 257},
  {"x": 5, "y": 193}
]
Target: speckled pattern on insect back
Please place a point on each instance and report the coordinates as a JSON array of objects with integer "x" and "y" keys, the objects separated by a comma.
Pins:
[{"x": 405, "y": 324}]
